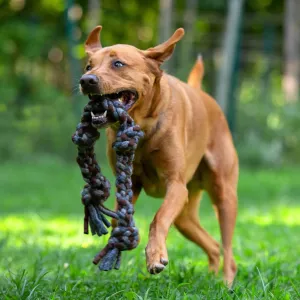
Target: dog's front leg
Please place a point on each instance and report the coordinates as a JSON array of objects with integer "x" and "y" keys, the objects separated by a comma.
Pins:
[{"x": 156, "y": 251}]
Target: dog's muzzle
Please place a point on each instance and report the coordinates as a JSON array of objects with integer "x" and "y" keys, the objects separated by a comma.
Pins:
[{"x": 89, "y": 84}]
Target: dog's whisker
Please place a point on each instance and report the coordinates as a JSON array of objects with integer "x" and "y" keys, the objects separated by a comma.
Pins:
[{"x": 76, "y": 90}]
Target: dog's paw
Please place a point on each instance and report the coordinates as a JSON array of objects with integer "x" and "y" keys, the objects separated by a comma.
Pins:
[
  {"x": 164, "y": 261},
  {"x": 157, "y": 259},
  {"x": 155, "y": 268}
]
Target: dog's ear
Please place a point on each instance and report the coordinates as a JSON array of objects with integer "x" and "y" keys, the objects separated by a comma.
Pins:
[
  {"x": 93, "y": 43},
  {"x": 164, "y": 51}
]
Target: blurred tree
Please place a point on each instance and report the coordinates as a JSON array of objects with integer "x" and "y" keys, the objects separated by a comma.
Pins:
[
  {"x": 72, "y": 13},
  {"x": 225, "y": 94},
  {"x": 186, "y": 48},
  {"x": 165, "y": 25},
  {"x": 165, "y": 20},
  {"x": 35, "y": 71},
  {"x": 93, "y": 15},
  {"x": 291, "y": 79}
]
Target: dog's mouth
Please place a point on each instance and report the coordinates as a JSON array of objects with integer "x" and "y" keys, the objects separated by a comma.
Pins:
[
  {"x": 102, "y": 117},
  {"x": 126, "y": 97}
]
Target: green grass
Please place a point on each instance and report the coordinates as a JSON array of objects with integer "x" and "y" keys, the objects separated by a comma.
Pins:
[{"x": 44, "y": 254}]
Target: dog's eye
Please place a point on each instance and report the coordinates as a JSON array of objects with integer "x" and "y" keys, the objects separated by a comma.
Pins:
[
  {"x": 118, "y": 64},
  {"x": 88, "y": 68}
]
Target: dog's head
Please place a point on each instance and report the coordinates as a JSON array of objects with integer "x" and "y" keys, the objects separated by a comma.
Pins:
[{"x": 123, "y": 72}]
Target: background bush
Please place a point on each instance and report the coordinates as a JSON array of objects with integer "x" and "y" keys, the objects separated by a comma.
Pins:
[{"x": 40, "y": 103}]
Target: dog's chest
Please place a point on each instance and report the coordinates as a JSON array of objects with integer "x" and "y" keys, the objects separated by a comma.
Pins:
[{"x": 145, "y": 169}]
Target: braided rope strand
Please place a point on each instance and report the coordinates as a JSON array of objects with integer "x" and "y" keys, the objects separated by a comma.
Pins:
[{"x": 125, "y": 235}]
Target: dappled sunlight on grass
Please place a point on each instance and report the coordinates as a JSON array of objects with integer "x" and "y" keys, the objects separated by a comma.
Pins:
[
  {"x": 65, "y": 232},
  {"x": 278, "y": 214},
  {"x": 41, "y": 232},
  {"x": 53, "y": 231}
]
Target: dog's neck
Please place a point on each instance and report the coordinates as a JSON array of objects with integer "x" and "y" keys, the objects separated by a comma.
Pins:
[{"x": 153, "y": 106}]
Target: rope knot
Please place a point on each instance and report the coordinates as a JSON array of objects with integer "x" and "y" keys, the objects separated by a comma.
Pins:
[{"x": 97, "y": 189}]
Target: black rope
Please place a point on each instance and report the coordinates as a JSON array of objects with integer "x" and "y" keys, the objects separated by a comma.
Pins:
[{"x": 125, "y": 235}]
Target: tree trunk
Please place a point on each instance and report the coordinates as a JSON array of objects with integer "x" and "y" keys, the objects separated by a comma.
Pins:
[
  {"x": 230, "y": 51},
  {"x": 74, "y": 65},
  {"x": 291, "y": 51},
  {"x": 186, "y": 59},
  {"x": 93, "y": 14},
  {"x": 165, "y": 24}
]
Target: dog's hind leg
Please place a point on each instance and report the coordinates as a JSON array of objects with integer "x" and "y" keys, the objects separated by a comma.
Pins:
[
  {"x": 188, "y": 224},
  {"x": 223, "y": 194}
]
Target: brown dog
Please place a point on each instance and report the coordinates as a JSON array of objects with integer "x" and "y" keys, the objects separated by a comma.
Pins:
[{"x": 187, "y": 147}]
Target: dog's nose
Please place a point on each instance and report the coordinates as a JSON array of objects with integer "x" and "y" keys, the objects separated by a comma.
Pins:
[{"x": 89, "y": 80}]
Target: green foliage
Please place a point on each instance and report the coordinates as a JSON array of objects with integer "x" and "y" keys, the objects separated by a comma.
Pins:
[
  {"x": 268, "y": 128},
  {"x": 38, "y": 127},
  {"x": 39, "y": 106},
  {"x": 39, "y": 102},
  {"x": 45, "y": 255}
]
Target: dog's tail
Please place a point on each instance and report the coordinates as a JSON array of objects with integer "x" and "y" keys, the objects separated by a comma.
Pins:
[{"x": 196, "y": 74}]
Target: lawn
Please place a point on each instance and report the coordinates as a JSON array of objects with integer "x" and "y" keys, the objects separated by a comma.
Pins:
[{"x": 44, "y": 254}]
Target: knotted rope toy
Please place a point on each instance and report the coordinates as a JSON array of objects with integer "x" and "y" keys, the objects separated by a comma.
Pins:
[{"x": 125, "y": 235}]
